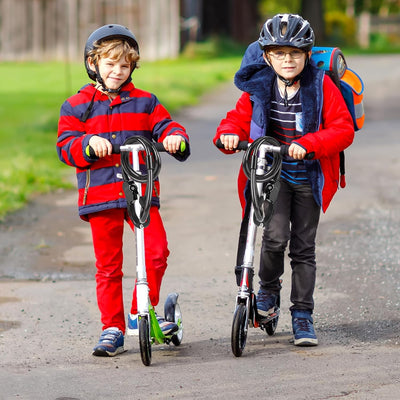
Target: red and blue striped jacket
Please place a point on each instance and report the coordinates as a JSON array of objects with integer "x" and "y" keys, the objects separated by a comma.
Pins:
[{"x": 133, "y": 112}]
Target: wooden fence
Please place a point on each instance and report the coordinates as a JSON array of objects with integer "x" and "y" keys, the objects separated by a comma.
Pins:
[
  {"x": 367, "y": 24},
  {"x": 58, "y": 29}
]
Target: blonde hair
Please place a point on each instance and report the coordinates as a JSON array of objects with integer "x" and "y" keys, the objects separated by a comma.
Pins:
[{"x": 114, "y": 49}]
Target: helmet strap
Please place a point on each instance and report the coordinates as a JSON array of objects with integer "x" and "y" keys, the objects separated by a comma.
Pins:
[{"x": 288, "y": 84}]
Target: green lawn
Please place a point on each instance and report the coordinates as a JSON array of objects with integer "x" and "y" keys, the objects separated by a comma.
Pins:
[{"x": 30, "y": 104}]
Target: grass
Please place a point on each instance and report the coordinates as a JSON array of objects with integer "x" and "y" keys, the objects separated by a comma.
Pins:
[{"x": 34, "y": 92}]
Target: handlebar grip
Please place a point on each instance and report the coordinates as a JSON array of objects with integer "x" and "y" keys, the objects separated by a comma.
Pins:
[
  {"x": 160, "y": 147},
  {"x": 90, "y": 152},
  {"x": 285, "y": 152},
  {"x": 284, "y": 149},
  {"x": 242, "y": 145}
]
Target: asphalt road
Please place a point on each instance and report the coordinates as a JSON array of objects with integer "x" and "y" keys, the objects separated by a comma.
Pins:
[{"x": 48, "y": 314}]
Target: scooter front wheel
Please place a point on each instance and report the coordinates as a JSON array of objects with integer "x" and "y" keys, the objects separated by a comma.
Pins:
[
  {"x": 239, "y": 330},
  {"x": 144, "y": 341}
]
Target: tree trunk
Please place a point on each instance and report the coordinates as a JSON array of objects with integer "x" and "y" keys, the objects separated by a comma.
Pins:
[
  {"x": 312, "y": 10},
  {"x": 244, "y": 21}
]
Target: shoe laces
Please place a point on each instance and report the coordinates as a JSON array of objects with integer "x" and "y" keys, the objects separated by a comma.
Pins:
[
  {"x": 304, "y": 324},
  {"x": 271, "y": 298}
]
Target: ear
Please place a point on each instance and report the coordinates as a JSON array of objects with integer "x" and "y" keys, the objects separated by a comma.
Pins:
[
  {"x": 266, "y": 58},
  {"x": 91, "y": 64}
]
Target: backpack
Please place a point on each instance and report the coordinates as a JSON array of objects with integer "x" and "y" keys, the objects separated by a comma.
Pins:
[{"x": 332, "y": 61}]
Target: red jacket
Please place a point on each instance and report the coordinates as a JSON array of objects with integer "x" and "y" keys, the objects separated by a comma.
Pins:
[
  {"x": 328, "y": 127},
  {"x": 133, "y": 112}
]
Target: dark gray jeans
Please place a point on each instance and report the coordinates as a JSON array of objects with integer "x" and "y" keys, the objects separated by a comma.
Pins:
[{"x": 295, "y": 220}]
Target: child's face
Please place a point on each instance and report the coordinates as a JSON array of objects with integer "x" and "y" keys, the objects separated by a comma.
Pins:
[
  {"x": 113, "y": 72},
  {"x": 287, "y": 62}
]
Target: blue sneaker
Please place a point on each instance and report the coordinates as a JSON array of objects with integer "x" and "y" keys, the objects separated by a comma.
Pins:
[
  {"x": 110, "y": 344},
  {"x": 303, "y": 328},
  {"x": 132, "y": 328},
  {"x": 266, "y": 303},
  {"x": 167, "y": 327}
]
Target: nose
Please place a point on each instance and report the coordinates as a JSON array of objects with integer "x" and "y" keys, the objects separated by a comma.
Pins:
[{"x": 117, "y": 69}]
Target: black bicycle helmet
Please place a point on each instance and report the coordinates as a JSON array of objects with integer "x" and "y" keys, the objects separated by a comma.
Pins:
[
  {"x": 107, "y": 32},
  {"x": 287, "y": 30}
]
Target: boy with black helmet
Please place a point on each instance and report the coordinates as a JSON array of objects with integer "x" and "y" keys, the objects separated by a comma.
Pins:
[
  {"x": 102, "y": 114},
  {"x": 285, "y": 96}
]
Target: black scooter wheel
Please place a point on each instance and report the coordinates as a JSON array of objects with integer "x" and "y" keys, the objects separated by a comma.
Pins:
[
  {"x": 239, "y": 330},
  {"x": 144, "y": 341},
  {"x": 271, "y": 326}
]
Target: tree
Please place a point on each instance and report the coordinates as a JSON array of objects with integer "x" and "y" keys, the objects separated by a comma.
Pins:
[
  {"x": 312, "y": 10},
  {"x": 237, "y": 19},
  {"x": 244, "y": 20}
]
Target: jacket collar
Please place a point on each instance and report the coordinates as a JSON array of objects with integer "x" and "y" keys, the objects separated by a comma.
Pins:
[{"x": 124, "y": 95}]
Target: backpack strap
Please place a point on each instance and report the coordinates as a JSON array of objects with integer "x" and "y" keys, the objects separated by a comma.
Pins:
[{"x": 342, "y": 180}]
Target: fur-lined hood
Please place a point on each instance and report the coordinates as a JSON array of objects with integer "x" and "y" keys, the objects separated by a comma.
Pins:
[{"x": 256, "y": 77}]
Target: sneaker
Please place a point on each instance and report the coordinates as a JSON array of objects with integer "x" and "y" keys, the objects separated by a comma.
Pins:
[
  {"x": 132, "y": 328},
  {"x": 167, "y": 327},
  {"x": 303, "y": 328},
  {"x": 266, "y": 303},
  {"x": 110, "y": 344}
]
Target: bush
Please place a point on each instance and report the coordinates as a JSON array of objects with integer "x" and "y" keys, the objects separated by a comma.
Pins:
[{"x": 340, "y": 29}]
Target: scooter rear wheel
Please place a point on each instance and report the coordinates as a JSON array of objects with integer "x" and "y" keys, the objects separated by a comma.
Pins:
[
  {"x": 173, "y": 313},
  {"x": 144, "y": 341},
  {"x": 270, "y": 327},
  {"x": 239, "y": 330}
]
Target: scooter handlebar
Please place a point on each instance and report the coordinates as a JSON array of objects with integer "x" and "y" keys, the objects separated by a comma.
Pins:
[
  {"x": 282, "y": 149},
  {"x": 116, "y": 148}
]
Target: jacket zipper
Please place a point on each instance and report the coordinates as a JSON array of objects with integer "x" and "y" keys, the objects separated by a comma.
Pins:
[{"x": 87, "y": 184}]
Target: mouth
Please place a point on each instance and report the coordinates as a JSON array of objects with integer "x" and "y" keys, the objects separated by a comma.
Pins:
[{"x": 289, "y": 69}]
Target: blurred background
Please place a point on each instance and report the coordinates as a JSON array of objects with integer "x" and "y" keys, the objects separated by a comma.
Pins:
[
  {"x": 57, "y": 29},
  {"x": 187, "y": 47}
]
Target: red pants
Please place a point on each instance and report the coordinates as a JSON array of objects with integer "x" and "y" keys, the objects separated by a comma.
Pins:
[{"x": 107, "y": 232}]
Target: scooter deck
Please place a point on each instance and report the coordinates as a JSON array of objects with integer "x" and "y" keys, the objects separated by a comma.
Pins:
[{"x": 262, "y": 321}]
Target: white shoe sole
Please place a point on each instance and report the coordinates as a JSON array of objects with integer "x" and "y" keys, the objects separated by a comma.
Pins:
[
  {"x": 306, "y": 342},
  {"x": 132, "y": 332}
]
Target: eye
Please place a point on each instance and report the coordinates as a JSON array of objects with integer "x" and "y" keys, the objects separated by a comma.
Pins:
[
  {"x": 296, "y": 53},
  {"x": 280, "y": 53}
]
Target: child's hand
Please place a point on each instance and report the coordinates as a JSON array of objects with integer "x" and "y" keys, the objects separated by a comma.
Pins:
[
  {"x": 173, "y": 143},
  {"x": 102, "y": 147},
  {"x": 297, "y": 152},
  {"x": 230, "y": 142}
]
